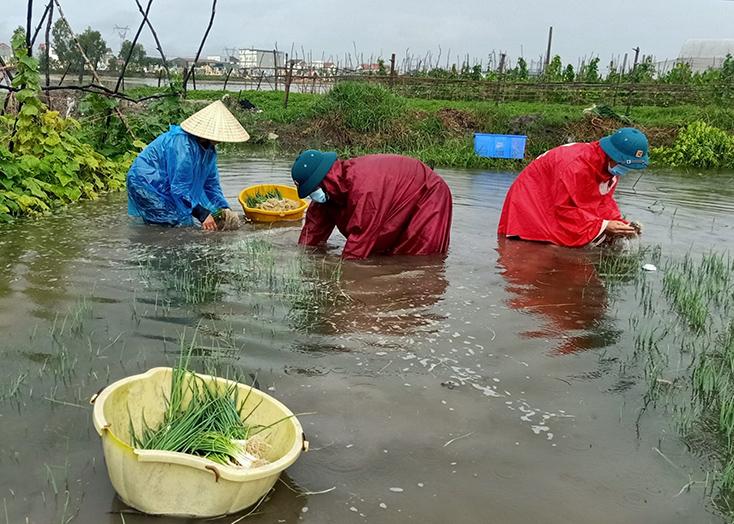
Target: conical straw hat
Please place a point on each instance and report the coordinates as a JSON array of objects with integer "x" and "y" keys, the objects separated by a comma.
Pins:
[{"x": 215, "y": 123}]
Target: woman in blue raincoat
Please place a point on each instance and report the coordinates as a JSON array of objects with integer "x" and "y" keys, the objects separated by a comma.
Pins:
[{"x": 175, "y": 180}]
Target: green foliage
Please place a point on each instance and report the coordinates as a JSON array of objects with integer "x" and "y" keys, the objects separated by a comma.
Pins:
[
  {"x": 42, "y": 161},
  {"x": 362, "y": 107},
  {"x": 68, "y": 53},
  {"x": 727, "y": 69},
  {"x": 569, "y": 75},
  {"x": 553, "y": 72},
  {"x": 520, "y": 73},
  {"x": 63, "y": 44},
  {"x": 138, "y": 58},
  {"x": 107, "y": 134},
  {"x": 381, "y": 67},
  {"x": 680, "y": 74},
  {"x": 589, "y": 73},
  {"x": 699, "y": 145},
  {"x": 644, "y": 71}
]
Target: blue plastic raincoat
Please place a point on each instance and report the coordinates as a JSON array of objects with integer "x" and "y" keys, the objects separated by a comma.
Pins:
[{"x": 173, "y": 177}]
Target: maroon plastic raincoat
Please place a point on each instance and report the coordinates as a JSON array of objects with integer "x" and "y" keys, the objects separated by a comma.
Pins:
[
  {"x": 565, "y": 196},
  {"x": 383, "y": 205}
]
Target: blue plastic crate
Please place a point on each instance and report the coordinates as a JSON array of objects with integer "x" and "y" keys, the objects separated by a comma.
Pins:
[{"x": 499, "y": 146}]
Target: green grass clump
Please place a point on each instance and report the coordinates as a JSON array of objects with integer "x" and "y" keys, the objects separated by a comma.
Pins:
[
  {"x": 362, "y": 107},
  {"x": 686, "y": 352}
]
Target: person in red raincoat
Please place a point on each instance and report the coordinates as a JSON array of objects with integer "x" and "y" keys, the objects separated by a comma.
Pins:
[
  {"x": 566, "y": 195},
  {"x": 382, "y": 204}
]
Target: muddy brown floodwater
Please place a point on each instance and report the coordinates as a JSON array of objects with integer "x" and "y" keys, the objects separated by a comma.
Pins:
[{"x": 476, "y": 388}]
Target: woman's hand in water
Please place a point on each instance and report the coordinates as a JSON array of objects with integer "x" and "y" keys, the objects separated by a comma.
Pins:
[
  {"x": 209, "y": 224},
  {"x": 231, "y": 220},
  {"x": 619, "y": 228}
]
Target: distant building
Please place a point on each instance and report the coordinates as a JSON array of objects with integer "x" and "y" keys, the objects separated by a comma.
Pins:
[
  {"x": 703, "y": 54},
  {"x": 5, "y": 51},
  {"x": 314, "y": 68},
  {"x": 180, "y": 64},
  {"x": 368, "y": 68},
  {"x": 109, "y": 61},
  {"x": 209, "y": 67},
  {"x": 253, "y": 61}
]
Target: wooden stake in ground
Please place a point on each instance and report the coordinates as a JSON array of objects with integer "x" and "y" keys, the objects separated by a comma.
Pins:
[
  {"x": 89, "y": 64},
  {"x": 47, "y": 51},
  {"x": 132, "y": 47},
  {"x": 288, "y": 80},
  {"x": 155, "y": 37},
  {"x": 201, "y": 46}
]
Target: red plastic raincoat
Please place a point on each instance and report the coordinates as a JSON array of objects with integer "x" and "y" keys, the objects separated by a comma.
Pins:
[
  {"x": 383, "y": 205},
  {"x": 565, "y": 196}
]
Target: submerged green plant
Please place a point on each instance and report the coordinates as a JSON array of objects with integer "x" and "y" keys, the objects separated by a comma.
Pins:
[{"x": 686, "y": 353}]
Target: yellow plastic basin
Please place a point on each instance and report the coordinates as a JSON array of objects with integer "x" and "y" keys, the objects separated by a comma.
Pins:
[
  {"x": 264, "y": 215},
  {"x": 178, "y": 484}
]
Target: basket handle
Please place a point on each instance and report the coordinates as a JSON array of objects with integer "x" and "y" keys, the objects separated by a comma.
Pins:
[
  {"x": 93, "y": 398},
  {"x": 214, "y": 470}
]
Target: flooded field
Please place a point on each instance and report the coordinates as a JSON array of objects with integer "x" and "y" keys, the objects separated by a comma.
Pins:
[{"x": 483, "y": 387}]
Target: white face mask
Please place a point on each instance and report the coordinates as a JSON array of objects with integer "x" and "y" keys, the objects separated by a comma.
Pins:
[
  {"x": 618, "y": 169},
  {"x": 319, "y": 196}
]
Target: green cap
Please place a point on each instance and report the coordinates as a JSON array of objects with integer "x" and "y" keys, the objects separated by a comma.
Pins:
[
  {"x": 309, "y": 170},
  {"x": 628, "y": 147}
]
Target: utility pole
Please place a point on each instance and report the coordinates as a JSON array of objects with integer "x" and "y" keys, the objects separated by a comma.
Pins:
[
  {"x": 548, "y": 52},
  {"x": 637, "y": 56}
]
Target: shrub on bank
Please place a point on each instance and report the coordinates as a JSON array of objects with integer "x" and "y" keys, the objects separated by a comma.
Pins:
[
  {"x": 362, "y": 107},
  {"x": 43, "y": 163},
  {"x": 698, "y": 145}
]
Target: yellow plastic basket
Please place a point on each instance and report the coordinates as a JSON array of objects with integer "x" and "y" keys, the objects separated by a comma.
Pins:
[
  {"x": 264, "y": 215},
  {"x": 179, "y": 484}
]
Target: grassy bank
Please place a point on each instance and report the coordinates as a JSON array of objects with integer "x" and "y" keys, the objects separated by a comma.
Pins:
[
  {"x": 50, "y": 160},
  {"x": 359, "y": 118}
]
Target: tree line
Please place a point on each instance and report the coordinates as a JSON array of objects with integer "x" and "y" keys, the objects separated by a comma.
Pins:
[{"x": 69, "y": 59}]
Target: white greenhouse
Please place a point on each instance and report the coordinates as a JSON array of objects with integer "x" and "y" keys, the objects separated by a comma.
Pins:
[{"x": 702, "y": 54}]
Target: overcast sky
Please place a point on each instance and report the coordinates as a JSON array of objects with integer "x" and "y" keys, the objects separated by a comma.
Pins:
[{"x": 334, "y": 27}]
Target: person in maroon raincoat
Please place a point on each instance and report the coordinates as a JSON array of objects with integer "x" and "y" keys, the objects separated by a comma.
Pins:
[
  {"x": 382, "y": 204},
  {"x": 566, "y": 195}
]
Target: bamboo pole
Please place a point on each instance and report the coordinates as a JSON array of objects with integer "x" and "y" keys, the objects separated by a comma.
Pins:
[
  {"x": 40, "y": 24},
  {"x": 48, "y": 50},
  {"x": 155, "y": 37},
  {"x": 91, "y": 67},
  {"x": 132, "y": 47},
  {"x": 29, "y": 18},
  {"x": 201, "y": 46}
]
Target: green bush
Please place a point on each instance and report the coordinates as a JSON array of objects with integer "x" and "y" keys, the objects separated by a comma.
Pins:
[
  {"x": 361, "y": 106},
  {"x": 42, "y": 161},
  {"x": 699, "y": 145}
]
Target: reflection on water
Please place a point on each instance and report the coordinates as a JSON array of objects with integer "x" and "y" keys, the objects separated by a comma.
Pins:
[
  {"x": 562, "y": 287},
  {"x": 390, "y": 298},
  {"x": 441, "y": 386}
]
